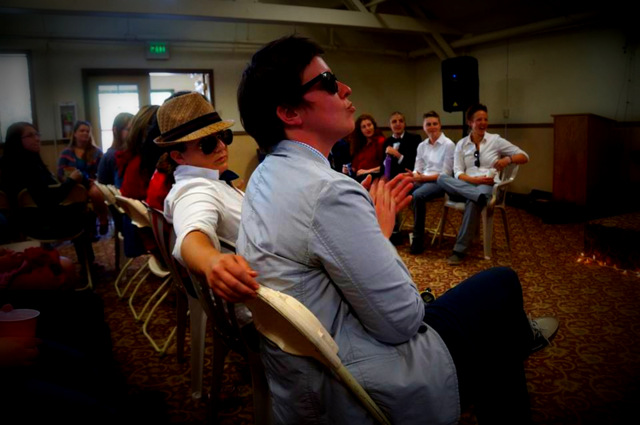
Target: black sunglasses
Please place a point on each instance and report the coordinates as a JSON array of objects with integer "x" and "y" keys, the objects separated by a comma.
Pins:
[
  {"x": 209, "y": 143},
  {"x": 328, "y": 81},
  {"x": 476, "y": 154}
]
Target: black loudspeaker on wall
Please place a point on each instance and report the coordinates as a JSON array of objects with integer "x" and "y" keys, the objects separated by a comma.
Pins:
[{"x": 460, "y": 83}]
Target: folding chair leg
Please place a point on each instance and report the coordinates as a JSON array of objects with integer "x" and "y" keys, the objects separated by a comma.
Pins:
[
  {"x": 136, "y": 315},
  {"x": 198, "y": 328},
  {"x": 487, "y": 221},
  {"x": 182, "y": 313},
  {"x": 506, "y": 228},
  {"x": 440, "y": 231},
  {"x": 121, "y": 275},
  {"x": 87, "y": 269},
  {"x": 220, "y": 351},
  {"x": 160, "y": 349}
]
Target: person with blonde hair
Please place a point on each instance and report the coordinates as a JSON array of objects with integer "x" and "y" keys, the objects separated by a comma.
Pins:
[{"x": 83, "y": 155}]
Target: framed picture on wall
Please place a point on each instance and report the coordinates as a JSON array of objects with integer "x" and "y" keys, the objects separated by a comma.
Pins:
[{"x": 67, "y": 118}]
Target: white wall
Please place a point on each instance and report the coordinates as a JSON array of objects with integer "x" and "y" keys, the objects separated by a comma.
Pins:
[
  {"x": 555, "y": 73},
  {"x": 584, "y": 71}
]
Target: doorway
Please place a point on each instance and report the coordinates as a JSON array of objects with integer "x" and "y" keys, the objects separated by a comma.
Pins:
[{"x": 110, "y": 92}]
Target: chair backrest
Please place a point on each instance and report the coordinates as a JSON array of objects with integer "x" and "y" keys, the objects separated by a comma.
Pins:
[
  {"x": 135, "y": 209},
  {"x": 222, "y": 315},
  {"x": 166, "y": 239},
  {"x": 296, "y": 330},
  {"x": 107, "y": 194}
]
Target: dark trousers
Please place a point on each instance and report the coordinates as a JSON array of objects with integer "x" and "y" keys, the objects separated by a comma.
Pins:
[{"x": 483, "y": 323}]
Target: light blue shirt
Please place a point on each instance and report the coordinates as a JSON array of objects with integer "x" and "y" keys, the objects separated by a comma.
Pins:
[{"x": 313, "y": 233}]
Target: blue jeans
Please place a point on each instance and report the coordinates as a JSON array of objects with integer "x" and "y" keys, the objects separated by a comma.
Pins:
[
  {"x": 483, "y": 323},
  {"x": 422, "y": 193},
  {"x": 460, "y": 190}
]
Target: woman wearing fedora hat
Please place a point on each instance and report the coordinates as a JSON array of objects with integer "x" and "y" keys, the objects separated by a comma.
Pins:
[{"x": 203, "y": 205}]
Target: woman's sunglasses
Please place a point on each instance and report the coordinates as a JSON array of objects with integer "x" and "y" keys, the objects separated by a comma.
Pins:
[
  {"x": 208, "y": 144},
  {"x": 328, "y": 81},
  {"x": 476, "y": 154}
]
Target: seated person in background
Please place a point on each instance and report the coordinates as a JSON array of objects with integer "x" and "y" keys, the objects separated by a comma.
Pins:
[
  {"x": 477, "y": 159},
  {"x": 107, "y": 169},
  {"x": 321, "y": 238},
  {"x": 367, "y": 148},
  {"x": 340, "y": 156},
  {"x": 401, "y": 146},
  {"x": 135, "y": 166},
  {"x": 203, "y": 205},
  {"x": 23, "y": 163},
  {"x": 400, "y": 155},
  {"x": 161, "y": 182},
  {"x": 82, "y": 154},
  {"x": 435, "y": 157},
  {"x": 137, "y": 162}
]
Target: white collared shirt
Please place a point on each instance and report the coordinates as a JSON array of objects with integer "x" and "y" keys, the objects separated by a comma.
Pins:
[
  {"x": 492, "y": 148},
  {"x": 436, "y": 158},
  {"x": 200, "y": 201}
]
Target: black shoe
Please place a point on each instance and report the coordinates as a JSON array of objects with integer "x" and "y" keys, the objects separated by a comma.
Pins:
[
  {"x": 396, "y": 238},
  {"x": 417, "y": 247}
]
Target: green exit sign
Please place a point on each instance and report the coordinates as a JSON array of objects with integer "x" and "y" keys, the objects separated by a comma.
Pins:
[{"x": 157, "y": 50}]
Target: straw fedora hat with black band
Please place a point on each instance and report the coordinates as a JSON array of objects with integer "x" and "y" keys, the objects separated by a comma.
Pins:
[{"x": 186, "y": 118}]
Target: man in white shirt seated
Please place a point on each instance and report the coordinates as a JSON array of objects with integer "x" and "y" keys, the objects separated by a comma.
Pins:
[
  {"x": 477, "y": 160},
  {"x": 435, "y": 157},
  {"x": 203, "y": 207}
]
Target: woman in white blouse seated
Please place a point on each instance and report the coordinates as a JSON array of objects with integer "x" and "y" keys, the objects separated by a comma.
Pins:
[
  {"x": 477, "y": 159},
  {"x": 203, "y": 205}
]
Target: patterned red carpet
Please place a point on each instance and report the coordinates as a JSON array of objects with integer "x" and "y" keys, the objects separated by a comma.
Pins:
[{"x": 589, "y": 375}]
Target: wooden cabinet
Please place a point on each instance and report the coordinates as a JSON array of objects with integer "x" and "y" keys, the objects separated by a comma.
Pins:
[{"x": 583, "y": 171}]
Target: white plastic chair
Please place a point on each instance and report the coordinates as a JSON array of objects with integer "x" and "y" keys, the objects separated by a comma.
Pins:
[
  {"x": 291, "y": 326},
  {"x": 166, "y": 238},
  {"x": 228, "y": 334},
  {"x": 138, "y": 214},
  {"x": 507, "y": 176}
]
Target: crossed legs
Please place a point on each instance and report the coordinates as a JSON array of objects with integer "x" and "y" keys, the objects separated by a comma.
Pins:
[{"x": 476, "y": 197}]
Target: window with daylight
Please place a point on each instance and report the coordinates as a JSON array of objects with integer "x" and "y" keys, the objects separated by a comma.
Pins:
[{"x": 15, "y": 90}]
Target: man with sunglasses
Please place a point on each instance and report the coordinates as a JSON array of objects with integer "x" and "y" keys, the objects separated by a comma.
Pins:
[
  {"x": 477, "y": 160},
  {"x": 318, "y": 236},
  {"x": 203, "y": 205}
]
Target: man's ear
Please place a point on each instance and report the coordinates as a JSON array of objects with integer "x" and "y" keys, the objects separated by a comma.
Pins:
[
  {"x": 289, "y": 115},
  {"x": 177, "y": 157}
]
